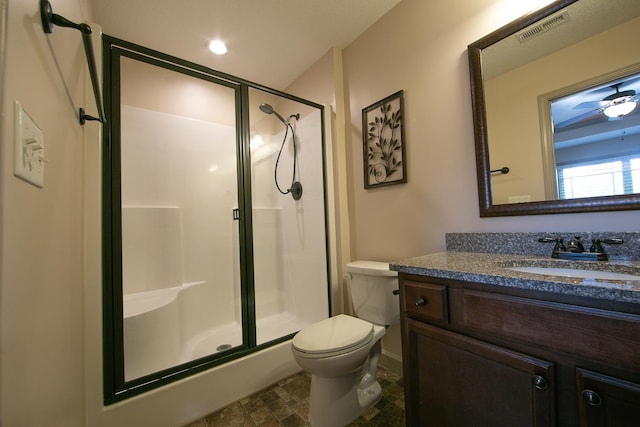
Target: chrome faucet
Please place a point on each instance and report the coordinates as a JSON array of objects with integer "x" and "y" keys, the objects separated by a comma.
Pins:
[{"x": 575, "y": 249}]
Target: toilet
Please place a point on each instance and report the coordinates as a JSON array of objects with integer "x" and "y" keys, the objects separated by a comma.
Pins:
[{"x": 341, "y": 353}]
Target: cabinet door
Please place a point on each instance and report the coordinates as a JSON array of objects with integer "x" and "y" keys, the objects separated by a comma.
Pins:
[
  {"x": 607, "y": 401},
  {"x": 460, "y": 381}
]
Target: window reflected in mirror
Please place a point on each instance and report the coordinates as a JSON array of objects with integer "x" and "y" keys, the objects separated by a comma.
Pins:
[{"x": 596, "y": 139}]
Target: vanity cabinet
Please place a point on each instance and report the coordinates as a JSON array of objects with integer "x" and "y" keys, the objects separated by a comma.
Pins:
[
  {"x": 462, "y": 381},
  {"x": 607, "y": 401},
  {"x": 486, "y": 355}
]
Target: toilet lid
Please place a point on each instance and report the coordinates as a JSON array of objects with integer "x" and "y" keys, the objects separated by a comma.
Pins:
[{"x": 333, "y": 334}]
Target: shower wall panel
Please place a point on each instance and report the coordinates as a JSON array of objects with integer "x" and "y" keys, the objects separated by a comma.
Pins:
[
  {"x": 180, "y": 162},
  {"x": 152, "y": 246},
  {"x": 178, "y": 194},
  {"x": 293, "y": 293},
  {"x": 304, "y": 255}
]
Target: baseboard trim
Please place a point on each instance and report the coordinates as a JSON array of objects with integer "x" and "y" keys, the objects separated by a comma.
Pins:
[{"x": 391, "y": 362}]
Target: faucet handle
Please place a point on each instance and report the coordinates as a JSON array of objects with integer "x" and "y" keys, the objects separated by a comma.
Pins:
[
  {"x": 559, "y": 243},
  {"x": 613, "y": 241},
  {"x": 596, "y": 244},
  {"x": 547, "y": 240}
]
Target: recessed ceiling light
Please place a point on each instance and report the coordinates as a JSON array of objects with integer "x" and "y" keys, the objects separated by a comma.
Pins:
[{"x": 217, "y": 47}]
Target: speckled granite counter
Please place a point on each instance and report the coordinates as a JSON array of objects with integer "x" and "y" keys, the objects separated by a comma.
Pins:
[{"x": 492, "y": 268}]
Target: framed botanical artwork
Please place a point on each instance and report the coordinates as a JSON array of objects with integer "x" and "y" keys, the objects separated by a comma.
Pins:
[{"x": 383, "y": 142}]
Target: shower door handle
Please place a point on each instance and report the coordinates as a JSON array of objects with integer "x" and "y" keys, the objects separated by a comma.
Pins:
[{"x": 236, "y": 214}]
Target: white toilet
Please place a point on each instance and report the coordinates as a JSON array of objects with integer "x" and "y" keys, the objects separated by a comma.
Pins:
[{"x": 342, "y": 352}]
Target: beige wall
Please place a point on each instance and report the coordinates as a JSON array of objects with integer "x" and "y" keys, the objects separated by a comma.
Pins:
[
  {"x": 41, "y": 290},
  {"x": 323, "y": 83}
]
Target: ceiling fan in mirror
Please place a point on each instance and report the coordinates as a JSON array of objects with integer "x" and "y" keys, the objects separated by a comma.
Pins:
[{"x": 613, "y": 106}]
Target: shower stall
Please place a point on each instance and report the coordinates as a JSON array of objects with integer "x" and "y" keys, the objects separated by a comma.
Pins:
[{"x": 214, "y": 218}]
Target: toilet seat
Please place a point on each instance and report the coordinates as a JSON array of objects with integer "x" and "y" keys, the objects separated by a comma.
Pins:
[{"x": 333, "y": 336}]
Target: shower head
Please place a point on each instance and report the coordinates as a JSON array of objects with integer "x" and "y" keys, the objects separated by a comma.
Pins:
[{"x": 268, "y": 109}]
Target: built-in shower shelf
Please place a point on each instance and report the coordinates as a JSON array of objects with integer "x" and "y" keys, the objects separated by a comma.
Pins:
[{"x": 137, "y": 303}]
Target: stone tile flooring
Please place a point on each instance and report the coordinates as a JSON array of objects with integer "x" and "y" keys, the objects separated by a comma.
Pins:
[{"x": 286, "y": 404}]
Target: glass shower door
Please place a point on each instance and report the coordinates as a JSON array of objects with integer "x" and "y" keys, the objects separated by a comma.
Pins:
[
  {"x": 180, "y": 241},
  {"x": 214, "y": 225},
  {"x": 288, "y": 215}
]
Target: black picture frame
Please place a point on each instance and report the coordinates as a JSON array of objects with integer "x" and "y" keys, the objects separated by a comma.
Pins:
[{"x": 384, "y": 142}]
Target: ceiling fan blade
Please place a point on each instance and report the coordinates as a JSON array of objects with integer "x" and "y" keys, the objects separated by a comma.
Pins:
[
  {"x": 591, "y": 104},
  {"x": 580, "y": 118}
]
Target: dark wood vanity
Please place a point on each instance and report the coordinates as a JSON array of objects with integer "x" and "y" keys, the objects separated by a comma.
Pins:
[{"x": 479, "y": 354}]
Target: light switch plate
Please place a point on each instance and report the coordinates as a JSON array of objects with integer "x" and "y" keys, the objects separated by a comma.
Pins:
[{"x": 29, "y": 148}]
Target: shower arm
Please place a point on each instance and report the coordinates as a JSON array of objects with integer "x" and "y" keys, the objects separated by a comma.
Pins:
[{"x": 49, "y": 19}]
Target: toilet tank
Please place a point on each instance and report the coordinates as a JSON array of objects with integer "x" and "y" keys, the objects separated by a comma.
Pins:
[{"x": 372, "y": 287}]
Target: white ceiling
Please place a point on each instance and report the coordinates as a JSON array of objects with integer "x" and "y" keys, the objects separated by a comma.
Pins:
[{"x": 270, "y": 42}]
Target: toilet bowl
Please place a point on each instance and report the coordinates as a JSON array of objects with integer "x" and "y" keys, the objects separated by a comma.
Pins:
[{"x": 342, "y": 352}]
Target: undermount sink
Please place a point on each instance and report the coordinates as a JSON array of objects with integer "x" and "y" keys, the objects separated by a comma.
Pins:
[{"x": 574, "y": 272}]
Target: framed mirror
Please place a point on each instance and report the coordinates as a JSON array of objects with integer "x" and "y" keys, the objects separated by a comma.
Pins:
[{"x": 540, "y": 86}]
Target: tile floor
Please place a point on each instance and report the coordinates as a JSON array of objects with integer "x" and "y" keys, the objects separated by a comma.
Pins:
[{"x": 286, "y": 404}]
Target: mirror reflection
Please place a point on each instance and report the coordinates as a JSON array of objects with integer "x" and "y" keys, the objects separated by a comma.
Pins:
[
  {"x": 543, "y": 88},
  {"x": 596, "y": 140}
]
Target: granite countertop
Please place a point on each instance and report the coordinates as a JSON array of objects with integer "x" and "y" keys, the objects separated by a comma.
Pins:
[{"x": 491, "y": 268}]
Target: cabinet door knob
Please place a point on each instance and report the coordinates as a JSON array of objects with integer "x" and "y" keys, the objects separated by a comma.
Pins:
[
  {"x": 539, "y": 382},
  {"x": 592, "y": 397},
  {"x": 421, "y": 302}
]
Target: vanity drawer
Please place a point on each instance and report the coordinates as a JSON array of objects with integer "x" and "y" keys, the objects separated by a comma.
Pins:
[
  {"x": 426, "y": 300},
  {"x": 601, "y": 335}
]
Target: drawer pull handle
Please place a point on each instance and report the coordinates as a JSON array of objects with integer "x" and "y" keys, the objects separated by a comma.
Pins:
[
  {"x": 421, "y": 302},
  {"x": 592, "y": 398},
  {"x": 539, "y": 382},
  {"x": 396, "y": 292}
]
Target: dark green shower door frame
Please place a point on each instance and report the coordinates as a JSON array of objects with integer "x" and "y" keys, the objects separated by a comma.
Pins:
[{"x": 116, "y": 388}]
